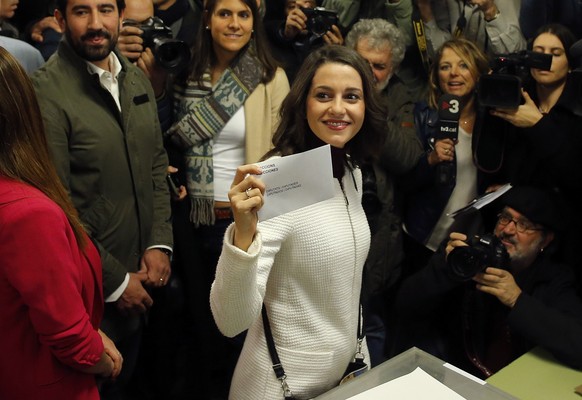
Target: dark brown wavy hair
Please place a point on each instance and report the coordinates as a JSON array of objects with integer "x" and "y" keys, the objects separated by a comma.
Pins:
[{"x": 292, "y": 134}]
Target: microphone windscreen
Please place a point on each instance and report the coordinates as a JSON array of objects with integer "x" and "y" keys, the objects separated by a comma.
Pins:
[{"x": 449, "y": 107}]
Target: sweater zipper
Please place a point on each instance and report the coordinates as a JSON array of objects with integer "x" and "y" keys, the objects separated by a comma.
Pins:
[{"x": 351, "y": 222}]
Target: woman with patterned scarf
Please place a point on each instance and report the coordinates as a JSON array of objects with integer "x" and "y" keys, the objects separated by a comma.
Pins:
[{"x": 226, "y": 107}]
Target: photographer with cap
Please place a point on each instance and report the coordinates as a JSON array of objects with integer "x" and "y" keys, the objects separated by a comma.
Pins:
[{"x": 481, "y": 320}]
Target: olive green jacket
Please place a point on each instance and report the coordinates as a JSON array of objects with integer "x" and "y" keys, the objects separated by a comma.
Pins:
[{"x": 113, "y": 164}]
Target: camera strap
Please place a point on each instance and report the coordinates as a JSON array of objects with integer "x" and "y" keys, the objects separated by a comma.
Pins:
[
  {"x": 355, "y": 368},
  {"x": 419, "y": 34}
]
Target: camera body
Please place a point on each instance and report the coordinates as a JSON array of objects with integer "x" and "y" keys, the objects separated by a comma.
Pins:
[
  {"x": 502, "y": 88},
  {"x": 482, "y": 252},
  {"x": 170, "y": 54},
  {"x": 319, "y": 20}
]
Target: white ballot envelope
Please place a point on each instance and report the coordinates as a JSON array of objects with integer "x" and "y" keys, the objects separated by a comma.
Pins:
[{"x": 296, "y": 181}]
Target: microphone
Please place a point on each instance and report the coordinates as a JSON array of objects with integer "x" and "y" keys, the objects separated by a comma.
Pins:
[{"x": 447, "y": 128}]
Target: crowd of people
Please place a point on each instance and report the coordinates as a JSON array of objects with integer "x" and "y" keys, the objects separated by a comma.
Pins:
[{"x": 134, "y": 264}]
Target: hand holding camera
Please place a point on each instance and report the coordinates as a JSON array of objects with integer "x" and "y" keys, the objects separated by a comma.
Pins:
[
  {"x": 130, "y": 43},
  {"x": 468, "y": 256},
  {"x": 317, "y": 22},
  {"x": 524, "y": 116},
  {"x": 171, "y": 54}
]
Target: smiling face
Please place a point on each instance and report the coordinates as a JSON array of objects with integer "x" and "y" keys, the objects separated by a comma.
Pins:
[
  {"x": 550, "y": 44},
  {"x": 231, "y": 27},
  {"x": 92, "y": 28},
  {"x": 454, "y": 75},
  {"x": 522, "y": 247},
  {"x": 335, "y": 104}
]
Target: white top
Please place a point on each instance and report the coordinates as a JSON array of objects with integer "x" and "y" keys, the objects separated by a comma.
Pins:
[
  {"x": 108, "y": 80},
  {"x": 228, "y": 152},
  {"x": 306, "y": 266},
  {"x": 465, "y": 189}
]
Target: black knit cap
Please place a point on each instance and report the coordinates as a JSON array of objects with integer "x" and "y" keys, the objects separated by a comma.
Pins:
[{"x": 536, "y": 204}]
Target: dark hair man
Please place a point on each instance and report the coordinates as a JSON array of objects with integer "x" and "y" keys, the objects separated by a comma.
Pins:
[
  {"x": 481, "y": 321},
  {"x": 101, "y": 120}
]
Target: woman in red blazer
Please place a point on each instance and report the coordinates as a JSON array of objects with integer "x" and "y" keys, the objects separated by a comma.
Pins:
[{"x": 51, "y": 299}]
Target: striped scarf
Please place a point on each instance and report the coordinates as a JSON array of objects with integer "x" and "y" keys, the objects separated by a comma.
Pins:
[{"x": 201, "y": 112}]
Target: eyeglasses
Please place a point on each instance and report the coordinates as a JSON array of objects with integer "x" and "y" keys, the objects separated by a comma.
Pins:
[{"x": 521, "y": 226}]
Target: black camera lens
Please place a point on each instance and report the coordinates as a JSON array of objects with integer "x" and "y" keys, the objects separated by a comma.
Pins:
[
  {"x": 170, "y": 54},
  {"x": 482, "y": 252},
  {"x": 319, "y": 20}
]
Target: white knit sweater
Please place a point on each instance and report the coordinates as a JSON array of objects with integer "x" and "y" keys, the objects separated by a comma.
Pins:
[{"x": 307, "y": 267}]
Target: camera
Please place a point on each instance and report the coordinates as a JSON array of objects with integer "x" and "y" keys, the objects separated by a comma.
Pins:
[
  {"x": 502, "y": 88},
  {"x": 171, "y": 54},
  {"x": 483, "y": 251},
  {"x": 319, "y": 20}
]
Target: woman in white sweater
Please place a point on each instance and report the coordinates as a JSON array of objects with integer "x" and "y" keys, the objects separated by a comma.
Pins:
[{"x": 304, "y": 266}]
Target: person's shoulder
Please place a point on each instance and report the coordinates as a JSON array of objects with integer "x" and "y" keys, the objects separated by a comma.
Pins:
[
  {"x": 53, "y": 73},
  {"x": 281, "y": 78},
  {"x": 18, "y": 199}
]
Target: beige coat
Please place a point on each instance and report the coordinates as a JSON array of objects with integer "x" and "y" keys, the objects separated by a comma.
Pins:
[{"x": 262, "y": 115}]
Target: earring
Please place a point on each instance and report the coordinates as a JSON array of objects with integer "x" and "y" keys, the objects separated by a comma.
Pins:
[{"x": 207, "y": 28}]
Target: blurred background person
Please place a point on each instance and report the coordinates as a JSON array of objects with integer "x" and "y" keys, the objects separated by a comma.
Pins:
[
  {"x": 534, "y": 14},
  {"x": 50, "y": 272},
  {"x": 290, "y": 36},
  {"x": 540, "y": 140},
  {"x": 491, "y": 24},
  {"x": 480, "y": 304},
  {"x": 225, "y": 110},
  {"x": 7, "y": 11},
  {"x": 37, "y": 25},
  {"x": 382, "y": 45}
]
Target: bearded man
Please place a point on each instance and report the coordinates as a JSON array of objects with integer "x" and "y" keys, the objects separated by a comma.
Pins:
[
  {"x": 101, "y": 122},
  {"x": 483, "y": 306}
]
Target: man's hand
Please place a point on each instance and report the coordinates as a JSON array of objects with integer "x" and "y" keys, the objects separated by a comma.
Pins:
[
  {"x": 130, "y": 43},
  {"x": 135, "y": 299},
  {"x": 183, "y": 192},
  {"x": 295, "y": 23},
  {"x": 156, "y": 263},
  {"x": 334, "y": 36},
  {"x": 488, "y": 8},
  {"x": 425, "y": 10},
  {"x": 456, "y": 239},
  {"x": 36, "y": 32},
  {"x": 499, "y": 283}
]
